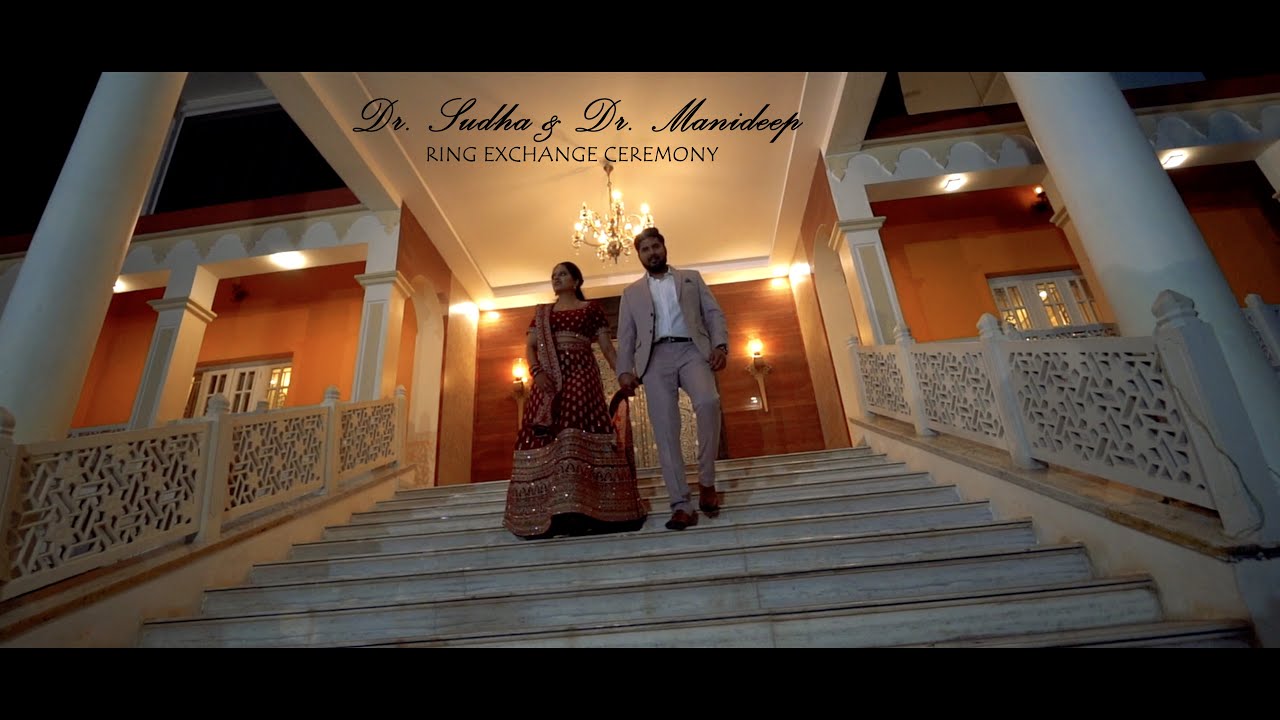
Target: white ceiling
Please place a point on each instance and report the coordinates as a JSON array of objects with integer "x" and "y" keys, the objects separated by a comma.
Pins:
[{"x": 502, "y": 226}]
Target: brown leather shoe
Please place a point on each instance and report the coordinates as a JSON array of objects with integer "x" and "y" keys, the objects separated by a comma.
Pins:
[
  {"x": 681, "y": 520},
  {"x": 709, "y": 500}
]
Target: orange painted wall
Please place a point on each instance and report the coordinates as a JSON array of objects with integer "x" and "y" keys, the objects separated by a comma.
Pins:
[
  {"x": 1240, "y": 222},
  {"x": 942, "y": 249},
  {"x": 106, "y": 397},
  {"x": 312, "y": 315}
]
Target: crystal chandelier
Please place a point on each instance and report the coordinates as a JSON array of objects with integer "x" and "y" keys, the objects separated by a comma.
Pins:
[{"x": 613, "y": 232}]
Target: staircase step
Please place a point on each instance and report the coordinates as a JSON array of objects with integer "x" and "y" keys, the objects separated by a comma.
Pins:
[
  {"x": 754, "y": 511},
  {"x": 1171, "y": 633},
  {"x": 653, "y": 487},
  {"x": 780, "y": 461},
  {"x": 736, "y": 493},
  {"x": 508, "y": 576},
  {"x": 1072, "y": 606},
  {"x": 707, "y": 612},
  {"x": 351, "y": 553}
]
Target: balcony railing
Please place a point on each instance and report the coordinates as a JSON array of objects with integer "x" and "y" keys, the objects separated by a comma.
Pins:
[
  {"x": 1160, "y": 413},
  {"x": 69, "y": 506}
]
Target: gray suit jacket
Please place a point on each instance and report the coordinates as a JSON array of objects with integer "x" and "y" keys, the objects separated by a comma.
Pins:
[{"x": 636, "y": 320}]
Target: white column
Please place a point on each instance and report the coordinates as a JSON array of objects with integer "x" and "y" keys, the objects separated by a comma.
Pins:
[
  {"x": 55, "y": 312},
  {"x": 380, "y": 321},
  {"x": 1134, "y": 226},
  {"x": 871, "y": 289},
  {"x": 8, "y": 277},
  {"x": 1062, "y": 218},
  {"x": 1269, "y": 162},
  {"x": 184, "y": 312},
  {"x": 874, "y": 295}
]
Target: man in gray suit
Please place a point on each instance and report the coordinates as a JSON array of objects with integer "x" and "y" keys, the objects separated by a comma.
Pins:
[{"x": 671, "y": 335}]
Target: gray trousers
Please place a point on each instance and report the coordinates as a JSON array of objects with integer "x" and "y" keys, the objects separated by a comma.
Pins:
[{"x": 673, "y": 366}]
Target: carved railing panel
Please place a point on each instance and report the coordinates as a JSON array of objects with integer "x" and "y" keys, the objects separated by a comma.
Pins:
[
  {"x": 957, "y": 393},
  {"x": 1104, "y": 406},
  {"x": 87, "y": 502},
  {"x": 275, "y": 456},
  {"x": 367, "y": 436},
  {"x": 882, "y": 382}
]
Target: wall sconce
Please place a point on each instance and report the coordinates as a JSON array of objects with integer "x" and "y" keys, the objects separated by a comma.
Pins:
[
  {"x": 520, "y": 388},
  {"x": 1042, "y": 200},
  {"x": 758, "y": 369}
]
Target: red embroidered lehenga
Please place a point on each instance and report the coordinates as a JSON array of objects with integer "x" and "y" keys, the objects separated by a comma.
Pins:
[{"x": 573, "y": 469}]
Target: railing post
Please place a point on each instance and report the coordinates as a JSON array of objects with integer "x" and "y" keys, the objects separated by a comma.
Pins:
[
  {"x": 1265, "y": 322},
  {"x": 402, "y": 413},
  {"x": 332, "y": 438},
  {"x": 910, "y": 385},
  {"x": 216, "y": 469},
  {"x": 8, "y": 486},
  {"x": 862, "y": 412},
  {"x": 1247, "y": 498},
  {"x": 991, "y": 336}
]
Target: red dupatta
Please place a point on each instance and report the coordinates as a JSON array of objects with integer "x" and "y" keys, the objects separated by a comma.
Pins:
[{"x": 545, "y": 411}]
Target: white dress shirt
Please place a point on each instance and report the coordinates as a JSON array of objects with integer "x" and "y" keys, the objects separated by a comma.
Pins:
[{"x": 668, "y": 321}]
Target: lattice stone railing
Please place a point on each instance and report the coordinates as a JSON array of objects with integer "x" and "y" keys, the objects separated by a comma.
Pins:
[
  {"x": 882, "y": 382},
  {"x": 274, "y": 457},
  {"x": 955, "y": 386},
  {"x": 369, "y": 437},
  {"x": 96, "y": 430},
  {"x": 1069, "y": 331},
  {"x": 1106, "y": 407},
  {"x": 74, "y": 505},
  {"x": 69, "y": 506},
  {"x": 1160, "y": 413}
]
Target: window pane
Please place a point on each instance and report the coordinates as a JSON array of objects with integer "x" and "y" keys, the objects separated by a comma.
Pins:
[
  {"x": 1084, "y": 300},
  {"x": 1054, "y": 307},
  {"x": 1012, "y": 309}
]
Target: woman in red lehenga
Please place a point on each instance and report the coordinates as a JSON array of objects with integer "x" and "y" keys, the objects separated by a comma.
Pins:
[{"x": 574, "y": 466}]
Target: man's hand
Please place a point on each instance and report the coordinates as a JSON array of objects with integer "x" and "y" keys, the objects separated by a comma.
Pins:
[
  {"x": 543, "y": 381},
  {"x": 628, "y": 382},
  {"x": 719, "y": 357}
]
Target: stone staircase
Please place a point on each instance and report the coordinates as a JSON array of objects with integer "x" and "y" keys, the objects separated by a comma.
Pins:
[{"x": 829, "y": 548}]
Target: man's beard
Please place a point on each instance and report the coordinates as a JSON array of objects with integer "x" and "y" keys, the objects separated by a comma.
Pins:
[{"x": 656, "y": 266}]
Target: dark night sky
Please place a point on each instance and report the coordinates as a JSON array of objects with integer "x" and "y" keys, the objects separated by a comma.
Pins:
[{"x": 38, "y": 129}]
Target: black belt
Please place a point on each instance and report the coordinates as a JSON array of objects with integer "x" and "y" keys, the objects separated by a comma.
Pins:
[{"x": 661, "y": 340}]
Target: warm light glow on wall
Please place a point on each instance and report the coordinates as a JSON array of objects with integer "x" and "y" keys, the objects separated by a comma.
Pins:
[
  {"x": 799, "y": 271},
  {"x": 289, "y": 260},
  {"x": 778, "y": 283},
  {"x": 1174, "y": 159},
  {"x": 118, "y": 287},
  {"x": 485, "y": 305},
  {"x": 755, "y": 347},
  {"x": 465, "y": 308},
  {"x": 1039, "y": 190},
  {"x": 953, "y": 183},
  {"x": 519, "y": 370},
  {"x": 492, "y": 315}
]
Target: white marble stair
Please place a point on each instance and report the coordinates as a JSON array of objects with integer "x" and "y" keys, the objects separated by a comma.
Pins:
[{"x": 829, "y": 548}]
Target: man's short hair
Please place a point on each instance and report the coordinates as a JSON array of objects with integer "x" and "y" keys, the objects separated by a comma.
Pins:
[{"x": 648, "y": 233}]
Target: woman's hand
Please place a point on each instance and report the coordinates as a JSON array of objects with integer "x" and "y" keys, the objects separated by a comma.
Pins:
[{"x": 543, "y": 381}]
